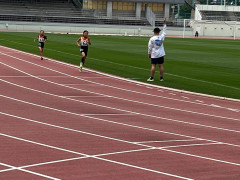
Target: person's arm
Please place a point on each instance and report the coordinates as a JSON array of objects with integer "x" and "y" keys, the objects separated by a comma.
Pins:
[
  {"x": 78, "y": 42},
  {"x": 150, "y": 46},
  {"x": 45, "y": 38},
  {"x": 164, "y": 32},
  {"x": 89, "y": 42},
  {"x": 35, "y": 39}
]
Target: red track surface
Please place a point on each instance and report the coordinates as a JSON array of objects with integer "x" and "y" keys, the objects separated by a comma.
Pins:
[{"x": 57, "y": 123}]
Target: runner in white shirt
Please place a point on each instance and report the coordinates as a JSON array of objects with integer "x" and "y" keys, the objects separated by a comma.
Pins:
[{"x": 156, "y": 51}]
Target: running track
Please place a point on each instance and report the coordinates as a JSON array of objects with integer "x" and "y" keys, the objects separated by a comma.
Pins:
[{"x": 57, "y": 123}]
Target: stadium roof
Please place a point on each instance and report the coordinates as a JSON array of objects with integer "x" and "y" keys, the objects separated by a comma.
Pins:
[{"x": 161, "y": 1}]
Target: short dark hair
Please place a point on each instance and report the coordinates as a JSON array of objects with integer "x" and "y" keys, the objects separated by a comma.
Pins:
[
  {"x": 156, "y": 30},
  {"x": 85, "y": 31}
]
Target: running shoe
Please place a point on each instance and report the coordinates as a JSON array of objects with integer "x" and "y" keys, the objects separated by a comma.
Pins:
[
  {"x": 150, "y": 79},
  {"x": 161, "y": 79},
  {"x": 81, "y": 66}
]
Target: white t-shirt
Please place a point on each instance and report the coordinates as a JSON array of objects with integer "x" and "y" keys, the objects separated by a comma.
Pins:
[{"x": 155, "y": 44}]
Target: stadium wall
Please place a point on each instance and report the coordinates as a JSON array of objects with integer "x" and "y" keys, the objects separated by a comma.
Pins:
[
  {"x": 217, "y": 28},
  {"x": 92, "y": 28}
]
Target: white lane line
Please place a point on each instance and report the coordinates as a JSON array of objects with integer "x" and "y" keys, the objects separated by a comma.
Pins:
[
  {"x": 188, "y": 98},
  {"x": 76, "y": 158},
  {"x": 178, "y": 140},
  {"x": 73, "y": 130},
  {"x": 66, "y": 111},
  {"x": 108, "y": 114},
  {"x": 189, "y": 145},
  {"x": 103, "y": 159},
  {"x": 14, "y": 76},
  {"x": 89, "y": 156},
  {"x": 172, "y": 94},
  {"x": 82, "y": 84},
  {"x": 231, "y": 109},
  {"x": 30, "y": 172},
  {"x": 137, "y": 83},
  {"x": 113, "y": 122},
  {"x": 85, "y": 96},
  {"x": 126, "y": 111},
  {"x": 133, "y": 166},
  {"x": 44, "y": 163},
  {"x": 204, "y": 114},
  {"x": 201, "y": 157},
  {"x": 111, "y": 138},
  {"x": 41, "y": 144},
  {"x": 200, "y": 101},
  {"x": 124, "y": 99},
  {"x": 122, "y": 110}
]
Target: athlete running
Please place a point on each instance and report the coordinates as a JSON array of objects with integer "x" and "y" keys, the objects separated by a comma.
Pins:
[
  {"x": 41, "y": 40},
  {"x": 83, "y": 43}
]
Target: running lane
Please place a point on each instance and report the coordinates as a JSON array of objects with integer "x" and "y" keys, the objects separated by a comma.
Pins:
[{"x": 70, "y": 125}]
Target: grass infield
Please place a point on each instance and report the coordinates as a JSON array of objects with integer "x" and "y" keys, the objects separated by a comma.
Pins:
[{"x": 199, "y": 65}]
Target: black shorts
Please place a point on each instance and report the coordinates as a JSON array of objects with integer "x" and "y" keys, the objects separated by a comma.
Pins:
[
  {"x": 41, "y": 44},
  {"x": 84, "y": 49},
  {"x": 159, "y": 60}
]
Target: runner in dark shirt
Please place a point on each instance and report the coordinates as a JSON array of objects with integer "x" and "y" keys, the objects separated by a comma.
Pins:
[{"x": 41, "y": 40}]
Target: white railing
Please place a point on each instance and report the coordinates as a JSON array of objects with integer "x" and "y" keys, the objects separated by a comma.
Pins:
[
  {"x": 150, "y": 16},
  {"x": 218, "y": 8}
]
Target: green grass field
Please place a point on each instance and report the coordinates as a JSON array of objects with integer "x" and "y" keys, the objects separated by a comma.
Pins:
[{"x": 198, "y": 65}]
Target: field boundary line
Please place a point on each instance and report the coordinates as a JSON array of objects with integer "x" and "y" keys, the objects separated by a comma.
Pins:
[{"x": 129, "y": 80}]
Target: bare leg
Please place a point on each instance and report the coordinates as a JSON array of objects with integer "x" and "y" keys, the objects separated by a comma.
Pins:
[
  {"x": 153, "y": 70},
  {"x": 82, "y": 61},
  {"x": 83, "y": 58},
  {"x": 41, "y": 52},
  {"x": 161, "y": 70}
]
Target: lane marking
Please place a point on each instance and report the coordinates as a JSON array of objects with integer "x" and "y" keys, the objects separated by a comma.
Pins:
[
  {"x": 204, "y": 114},
  {"x": 103, "y": 159},
  {"x": 189, "y": 145},
  {"x": 76, "y": 158},
  {"x": 171, "y": 140},
  {"x": 177, "y": 109},
  {"x": 73, "y": 130},
  {"x": 137, "y": 83},
  {"x": 201, "y": 157},
  {"x": 126, "y": 111},
  {"x": 30, "y": 172},
  {"x": 84, "y": 96},
  {"x": 212, "y": 159},
  {"x": 139, "y": 127}
]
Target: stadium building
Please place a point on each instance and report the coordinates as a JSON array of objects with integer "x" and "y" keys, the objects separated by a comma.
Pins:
[{"x": 208, "y": 17}]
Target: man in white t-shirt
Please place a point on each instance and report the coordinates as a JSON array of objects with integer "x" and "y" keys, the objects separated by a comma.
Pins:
[{"x": 156, "y": 51}]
